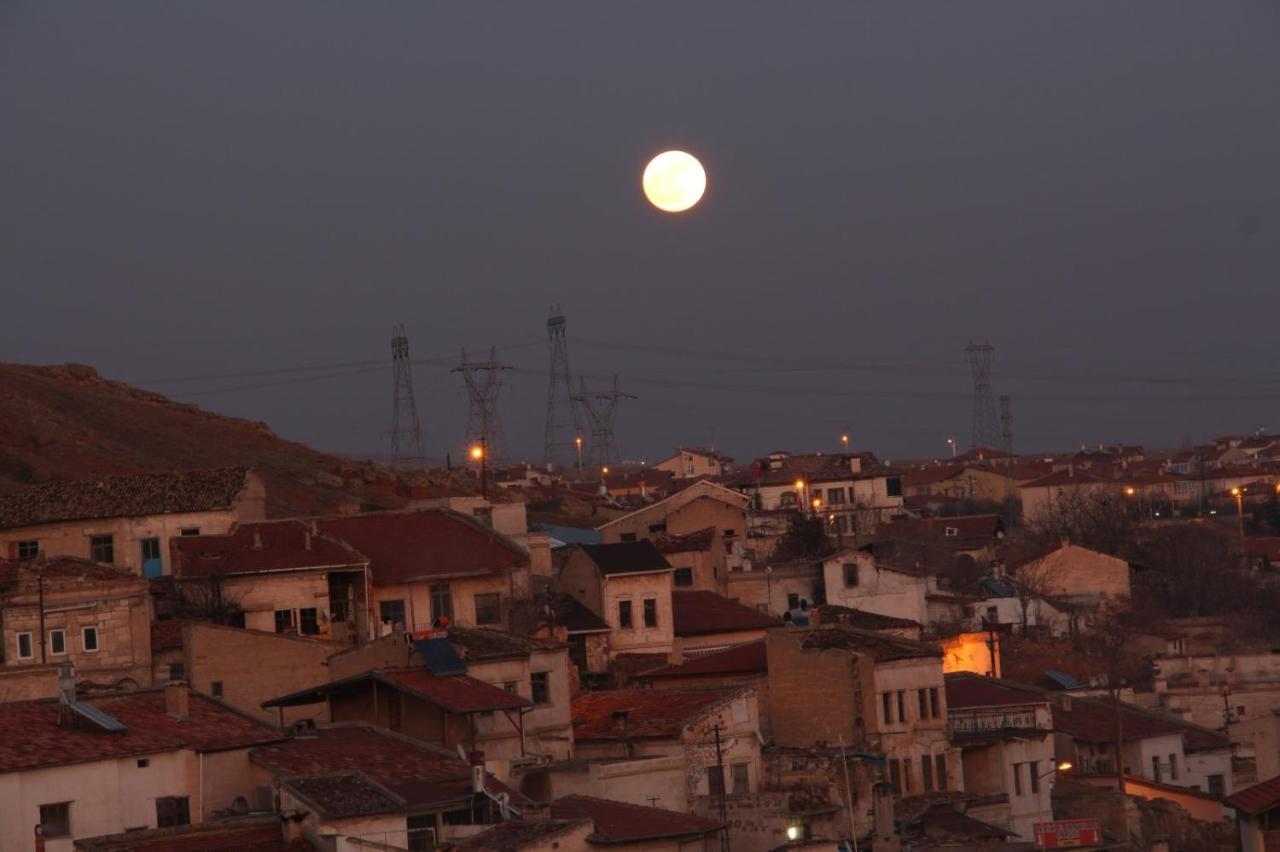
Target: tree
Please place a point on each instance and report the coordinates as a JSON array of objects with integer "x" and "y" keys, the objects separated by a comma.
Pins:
[
  {"x": 1191, "y": 569},
  {"x": 1096, "y": 518},
  {"x": 1031, "y": 582},
  {"x": 1109, "y": 642}
]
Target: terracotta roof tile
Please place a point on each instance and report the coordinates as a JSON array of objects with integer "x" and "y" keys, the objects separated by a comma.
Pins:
[
  {"x": 880, "y": 647},
  {"x": 576, "y": 616},
  {"x": 619, "y": 822},
  {"x": 250, "y": 548},
  {"x": 61, "y": 572},
  {"x": 1258, "y": 798},
  {"x": 123, "y": 496},
  {"x": 650, "y": 713},
  {"x": 969, "y": 690},
  {"x": 341, "y": 795},
  {"x": 860, "y": 618},
  {"x": 627, "y": 557},
  {"x": 694, "y": 541},
  {"x": 699, "y": 612},
  {"x": 747, "y": 658},
  {"x": 458, "y": 693},
  {"x": 257, "y": 833},
  {"x": 515, "y": 834}
]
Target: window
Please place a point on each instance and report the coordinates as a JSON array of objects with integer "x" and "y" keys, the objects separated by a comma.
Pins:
[
  {"x": 24, "y": 646},
  {"x": 850, "y": 574},
  {"x": 888, "y": 709},
  {"x": 309, "y": 621},
  {"x": 422, "y": 832},
  {"x": 28, "y": 549},
  {"x": 902, "y": 705},
  {"x": 510, "y": 686},
  {"x": 893, "y": 486},
  {"x": 150, "y": 549},
  {"x": 895, "y": 777},
  {"x": 1017, "y": 779},
  {"x": 177, "y": 671},
  {"x": 627, "y": 537},
  {"x": 650, "y": 612},
  {"x": 624, "y": 615},
  {"x": 540, "y": 687},
  {"x": 441, "y": 601},
  {"x": 906, "y": 775},
  {"x": 284, "y": 621},
  {"x": 391, "y": 612},
  {"x": 484, "y": 515},
  {"x": 57, "y": 641},
  {"x": 144, "y": 762},
  {"x": 215, "y": 689},
  {"x": 741, "y": 779},
  {"x": 940, "y": 770},
  {"x": 793, "y": 600},
  {"x": 683, "y": 577},
  {"x": 922, "y": 696},
  {"x": 489, "y": 608},
  {"x": 1216, "y": 786},
  {"x": 1155, "y": 766},
  {"x": 715, "y": 781},
  {"x": 835, "y": 496},
  {"x": 1034, "y": 774},
  {"x": 658, "y": 527},
  {"x": 1173, "y": 767},
  {"x": 89, "y": 639},
  {"x": 933, "y": 703},
  {"x": 189, "y": 531},
  {"x": 102, "y": 548},
  {"x": 172, "y": 811},
  {"x": 926, "y": 773},
  {"x": 55, "y": 820},
  {"x": 787, "y": 499}
]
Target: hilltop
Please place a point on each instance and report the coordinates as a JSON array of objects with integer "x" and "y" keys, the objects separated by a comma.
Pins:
[{"x": 67, "y": 422}]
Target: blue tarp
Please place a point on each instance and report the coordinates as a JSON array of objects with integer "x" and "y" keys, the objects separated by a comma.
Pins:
[{"x": 440, "y": 657}]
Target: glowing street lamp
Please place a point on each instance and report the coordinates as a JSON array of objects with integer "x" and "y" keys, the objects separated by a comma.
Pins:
[
  {"x": 951, "y": 442},
  {"x": 800, "y": 501},
  {"x": 844, "y": 439},
  {"x": 578, "y": 441},
  {"x": 479, "y": 455},
  {"x": 1238, "y": 493}
]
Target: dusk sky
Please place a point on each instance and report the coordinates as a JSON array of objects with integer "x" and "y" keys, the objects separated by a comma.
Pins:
[{"x": 225, "y": 190}]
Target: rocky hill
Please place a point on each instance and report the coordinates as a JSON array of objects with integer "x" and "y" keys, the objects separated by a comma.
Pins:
[{"x": 67, "y": 422}]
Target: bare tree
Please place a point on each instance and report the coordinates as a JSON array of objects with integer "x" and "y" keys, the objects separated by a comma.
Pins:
[
  {"x": 1031, "y": 582},
  {"x": 1095, "y": 518},
  {"x": 1109, "y": 642},
  {"x": 207, "y": 600}
]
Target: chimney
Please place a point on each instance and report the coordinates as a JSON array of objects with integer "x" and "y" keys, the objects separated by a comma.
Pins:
[
  {"x": 257, "y": 538},
  {"x": 67, "y": 683},
  {"x": 177, "y": 700}
]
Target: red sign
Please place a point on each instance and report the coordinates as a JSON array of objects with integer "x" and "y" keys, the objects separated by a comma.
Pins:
[{"x": 1068, "y": 832}]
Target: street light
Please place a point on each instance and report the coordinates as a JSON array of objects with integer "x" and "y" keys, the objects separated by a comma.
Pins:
[
  {"x": 951, "y": 442},
  {"x": 578, "y": 440},
  {"x": 844, "y": 439},
  {"x": 1064, "y": 766},
  {"x": 816, "y": 503},
  {"x": 478, "y": 454},
  {"x": 800, "y": 501},
  {"x": 1238, "y": 493}
]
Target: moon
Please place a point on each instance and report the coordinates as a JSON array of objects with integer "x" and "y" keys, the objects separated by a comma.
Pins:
[{"x": 674, "y": 181}]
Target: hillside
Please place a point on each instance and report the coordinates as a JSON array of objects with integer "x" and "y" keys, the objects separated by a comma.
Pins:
[{"x": 67, "y": 422}]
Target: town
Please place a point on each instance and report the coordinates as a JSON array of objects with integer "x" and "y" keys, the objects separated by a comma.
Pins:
[{"x": 817, "y": 650}]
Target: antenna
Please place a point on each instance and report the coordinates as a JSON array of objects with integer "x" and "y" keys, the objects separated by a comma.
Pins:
[
  {"x": 484, "y": 380},
  {"x": 563, "y": 426},
  {"x": 985, "y": 430},
  {"x": 601, "y": 408},
  {"x": 1006, "y": 424},
  {"x": 406, "y": 429}
]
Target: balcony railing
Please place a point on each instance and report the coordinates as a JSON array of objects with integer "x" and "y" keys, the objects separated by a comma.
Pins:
[{"x": 990, "y": 721}]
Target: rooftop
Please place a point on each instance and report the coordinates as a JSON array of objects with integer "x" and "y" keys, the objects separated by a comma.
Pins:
[
  {"x": 514, "y": 834},
  {"x": 1258, "y": 798},
  {"x": 859, "y": 618},
  {"x": 619, "y": 822},
  {"x": 880, "y": 647},
  {"x": 702, "y": 539},
  {"x": 269, "y": 546},
  {"x": 747, "y": 658},
  {"x": 966, "y": 690},
  {"x": 649, "y": 713},
  {"x": 341, "y": 795},
  {"x": 457, "y": 694},
  {"x": 61, "y": 573},
  {"x": 209, "y": 727},
  {"x": 475, "y": 644},
  {"x": 699, "y": 612},
  {"x": 576, "y": 616},
  {"x": 627, "y": 557},
  {"x": 254, "y": 833},
  {"x": 123, "y": 496}
]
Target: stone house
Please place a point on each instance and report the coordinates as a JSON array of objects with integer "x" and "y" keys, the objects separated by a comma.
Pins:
[
  {"x": 635, "y": 724},
  {"x": 586, "y": 633},
  {"x": 1040, "y": 496},
  {"x": 697, "y": 559},
  {"x": 127, "y": 520},
  {"x": 1257, "y": 743},
  {"x": 735, "y": 666},
  {"x": 628, "y": 584},
  {"x": 777, "y": 587},
  {"x": 1005, "y": 736},
  {"x": 1076, "y": 575},
  {"x": 103, "y": 765},
  {"x": 855, "y": 579},
  {"x": 59, "y": 610},
  {"x": 357, "y": 786},
  {"x": 832, "y": 684},
  {"x": 1258, "y": 812},
  {"x": 1216, "y": 689},
  {"x": 536, "y": 670},
  {"x": 282, "y": 576}
]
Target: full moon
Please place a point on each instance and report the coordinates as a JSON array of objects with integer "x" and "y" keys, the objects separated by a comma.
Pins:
[{"x": 674, "y": 181}]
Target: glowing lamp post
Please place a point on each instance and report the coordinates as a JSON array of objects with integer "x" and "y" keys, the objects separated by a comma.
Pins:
[
  {"x": 479, "y": 455},
  {"x": 578, "y": 441},
  {"x": 1238, "y": 493}
]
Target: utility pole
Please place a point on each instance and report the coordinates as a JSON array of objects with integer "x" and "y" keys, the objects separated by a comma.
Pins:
[
  {"x": 601, "y": 408},
  {"x": 406, "y": 429},
  {"x": 483, "y": 380},
  {"x": 985, "y": 432},
  {"x": 563, "y": 428},
  {"x": 724, "y": 814}
]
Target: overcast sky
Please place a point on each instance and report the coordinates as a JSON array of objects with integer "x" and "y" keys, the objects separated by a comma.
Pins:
[{"x": 226, "y": 188}]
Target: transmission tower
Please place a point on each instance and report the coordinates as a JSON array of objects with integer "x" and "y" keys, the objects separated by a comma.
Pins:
[
  {"x": 484, "y": 380},
  {"x": 1006, "y": 424},
  {"x": 601, "y": 408},
  {"x": 986, "y": 432},
  {"x": 563, "y": 426},
  {"x": 406, "y": 430}
]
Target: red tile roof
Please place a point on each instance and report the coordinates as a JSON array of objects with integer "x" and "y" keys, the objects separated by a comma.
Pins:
[
  {"x": 860, "y": 618},
  {"x": 251, "y": 548},
  {"x": 699, "y": 612},
  {"x": 931, "y": 475},
  {"x": 969, "y": 690},
  {"x": 1065, "y": 477},
  {"x": 62, "y": 572},
  {"x": 422, "y": 545},
  {"x": 423, "y": 775},
  {"x": 257, "y": 833},
  {"x": 123, "y": 496},
  {"x": 209, "y": 727},
  {"x": 694, "y": 541},
  {"x": 626, "y": 557},
  {"x": 650, "y": 713},
  {"x": 1258, "y": 798},
  {"x": 747, "y": 658},
  {"x": 619, "y": 822},
  {"x": 575, "y": 616},
  {"x": 878, "y": 646},
  {"x": 515, "y": 834},
  {"x": 455, "y": 693}
]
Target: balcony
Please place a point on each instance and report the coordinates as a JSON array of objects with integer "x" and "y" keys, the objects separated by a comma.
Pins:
[{"x": 979, "y": 722}]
